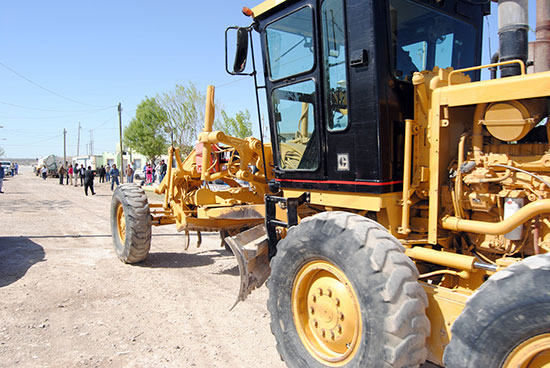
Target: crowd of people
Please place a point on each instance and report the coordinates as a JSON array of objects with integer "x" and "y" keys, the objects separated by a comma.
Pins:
[
  {"x": 75, "y": 174},
  {"x": 152, "y": 172}
]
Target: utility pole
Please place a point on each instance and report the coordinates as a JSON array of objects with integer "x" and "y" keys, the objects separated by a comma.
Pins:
[
  {"x": 64, "y": 148},
  {"x": 120, "y": 169},
  {"x": 78, "y": 141},
  {"x": 91, "y": 142}
]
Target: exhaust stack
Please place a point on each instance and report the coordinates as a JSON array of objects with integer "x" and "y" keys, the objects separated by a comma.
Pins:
[
  {"x": 513, "y": 25},
  {"x": 541, "y": 47}
]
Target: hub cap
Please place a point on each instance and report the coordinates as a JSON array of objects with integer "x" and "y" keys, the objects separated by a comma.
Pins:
[
  {"x": 532, "y": 353},
  {"x": 326, "y": 313},
  {"x": 121, "y": 223}
]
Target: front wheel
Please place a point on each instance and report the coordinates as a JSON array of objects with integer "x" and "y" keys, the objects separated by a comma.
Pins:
[
  {"x": 507, "y": 322},
  {"x": 130, "y": 223},
  {"x": 343, "y": 293}
]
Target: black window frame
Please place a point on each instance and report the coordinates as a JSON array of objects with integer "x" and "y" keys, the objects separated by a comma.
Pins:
[{"x": 313, "y": 39}]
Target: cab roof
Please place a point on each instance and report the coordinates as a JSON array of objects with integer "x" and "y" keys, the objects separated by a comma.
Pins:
[{"x": 266, "y": 6}]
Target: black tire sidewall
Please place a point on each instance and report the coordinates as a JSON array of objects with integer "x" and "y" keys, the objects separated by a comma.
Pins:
[
  {"x": 137, "y": 242},
  {"x": 504, "y": 313},
  {"x": 122, "y": 249},
  {"x": 355, "y": 265}
]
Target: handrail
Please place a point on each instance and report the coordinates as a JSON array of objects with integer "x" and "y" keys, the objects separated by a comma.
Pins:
[{"x": 517, "y": 61}]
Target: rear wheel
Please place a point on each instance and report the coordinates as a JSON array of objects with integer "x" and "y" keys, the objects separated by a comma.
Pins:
[
  {"x": 342, "y": 293},
  {"x": 507, "y": 322},
  {"x": 130, "y": 223}
]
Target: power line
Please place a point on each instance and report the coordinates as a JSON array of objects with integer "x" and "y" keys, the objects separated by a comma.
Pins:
[
  {"x": 46, "y": 89},
  {"x": 105, "y": 122},
  {"x": 37, "y": 142},
  {"x": 45, "y": 117},
  {"x": 48, "y": 110},
  {"x": 231, "y": 82}
]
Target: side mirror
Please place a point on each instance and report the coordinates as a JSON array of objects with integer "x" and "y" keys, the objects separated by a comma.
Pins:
[{"x": 241, "y": 52}]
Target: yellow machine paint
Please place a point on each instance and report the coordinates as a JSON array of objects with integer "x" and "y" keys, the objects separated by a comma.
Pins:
[
  {"x": 193, "y": 206},
  {"x": 463, "y": 159}
]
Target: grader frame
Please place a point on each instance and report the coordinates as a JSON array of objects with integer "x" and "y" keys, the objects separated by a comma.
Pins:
[
  {"x": 192, "y": 206},
  {"x": 372, "y": 266}
]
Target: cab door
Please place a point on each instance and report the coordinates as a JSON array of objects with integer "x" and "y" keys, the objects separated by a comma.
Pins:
[{"x": 291, "y": 54}]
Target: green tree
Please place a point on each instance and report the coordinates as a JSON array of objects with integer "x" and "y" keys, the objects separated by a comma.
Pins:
[
  {"x": 185, "y": 108},
  {"x": 239, "y": 126},
  {"x": 145, "y": 134}
]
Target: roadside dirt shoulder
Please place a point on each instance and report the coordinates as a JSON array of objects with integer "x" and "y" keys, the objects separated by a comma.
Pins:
[{"x": 66, "y": 300}]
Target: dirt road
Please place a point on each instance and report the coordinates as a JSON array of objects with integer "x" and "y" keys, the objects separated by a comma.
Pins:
[{"x": 67, "y": 301}]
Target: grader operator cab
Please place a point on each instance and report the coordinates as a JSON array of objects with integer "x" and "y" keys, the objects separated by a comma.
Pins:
[{"x": 401, "y": 213}]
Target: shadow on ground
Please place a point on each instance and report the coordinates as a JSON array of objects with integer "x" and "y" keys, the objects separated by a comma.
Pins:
[
  {"x": 181, "y": 260},
  {"x": 17, "y": 255}
]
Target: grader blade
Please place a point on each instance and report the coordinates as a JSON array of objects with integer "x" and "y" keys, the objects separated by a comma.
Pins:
[{"x": 251, "y": 249}]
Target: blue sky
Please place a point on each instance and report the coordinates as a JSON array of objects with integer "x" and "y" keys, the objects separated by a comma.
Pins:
[
  {"x": 99, "y": 53},
  {"x": 94, "y": 54}
]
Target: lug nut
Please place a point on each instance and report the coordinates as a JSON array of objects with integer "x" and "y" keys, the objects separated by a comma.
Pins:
[
  {"x": 337, "y": 301},
  {"x": 340, "y": 329},
  {"x": 312, "y": 310},
  {"x": 323, "y": 333},
  {"x": 341, "y": 316},
  {"x": 329, "y": 292},
  {"x": 332, "y": 335},
  {"x": 314, "y": 299},
  {"x": 320, "y": 291},
  {"x": 315, "y": 323}
]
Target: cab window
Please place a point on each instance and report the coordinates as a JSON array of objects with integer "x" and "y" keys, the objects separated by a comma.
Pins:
[
  {"x": 290, "y": 48},
  {"x": 297, "y": 139},
  {"x": 423, "y": 39},
  {"x": 334, "y": 64}
]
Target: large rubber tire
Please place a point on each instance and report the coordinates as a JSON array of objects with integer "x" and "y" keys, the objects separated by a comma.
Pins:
[
  {"x": 130, "y": 223},
  {"x": 378, "y": 288},
  {"x": 512, "y": 307}
]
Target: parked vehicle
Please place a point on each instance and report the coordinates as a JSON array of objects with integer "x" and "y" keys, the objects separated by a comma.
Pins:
[{"x": 7, "y": 167}]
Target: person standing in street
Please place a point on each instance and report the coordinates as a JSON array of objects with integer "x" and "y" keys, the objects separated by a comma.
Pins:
[
  {"x": 108, "y": 172},
  {"x": 75, "y": 170},
  {"x": 133, "y": 170},
  {"x": 162, "y": 170},
  {"x": 149, "y": 174},
  {"x": 102, "y": 173},
  {"x": 89, "y": 180},
  {"x": 70, "y": 172},
  {"x": 44, "y": 172},
  {"x": 61, "y": 172},
  {"x": 129, "y": 174},
  {"x": 114, "y": 173},
  {"x": 2, "y": 174},
  {"x": 81, "y": 172}
]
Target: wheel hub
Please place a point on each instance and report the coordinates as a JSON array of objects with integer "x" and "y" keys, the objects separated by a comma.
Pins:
[
  {"x": 121, "y": 223},
  {"x": 532, "y": 353},
  {"x": 326, "y": 313}
]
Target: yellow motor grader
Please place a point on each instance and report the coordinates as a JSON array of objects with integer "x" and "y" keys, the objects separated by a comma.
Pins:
[{"x": 401, "y": 212}]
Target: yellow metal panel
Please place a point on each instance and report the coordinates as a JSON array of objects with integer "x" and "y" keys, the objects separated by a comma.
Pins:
[
  {"x": 445, "y": 305},
  {"x": 265, "y": 6},
  {"x": 433, "y": 139},
  {"x": 503, "y": 89},
  {"x": 362, "y": 201}
]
